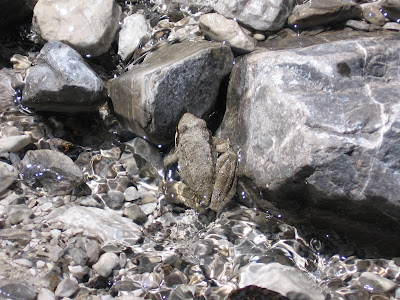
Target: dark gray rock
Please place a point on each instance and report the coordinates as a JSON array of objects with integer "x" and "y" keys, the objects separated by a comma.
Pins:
[
  {"x": 61, "y": 81},
  {"x": 175, "y": 79},
  {"x": 17, "y": 289},
  {"x": 51, "y": 170},
  {"x": 321, "y": 132},
  {"x": 391, "y": 9},
  {"x": 8, "y": 175},
  {"x": 134, "y": 213},
  {"x": 322, "y": 12},
  {"x": 268, "y": 15}
]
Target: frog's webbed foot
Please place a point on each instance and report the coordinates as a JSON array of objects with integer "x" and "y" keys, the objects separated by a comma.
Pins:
[{"x": 225, "y": 180}]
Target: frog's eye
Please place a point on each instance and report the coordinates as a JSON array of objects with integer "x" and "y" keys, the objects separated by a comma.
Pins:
[{"x": 183, "y": 128}]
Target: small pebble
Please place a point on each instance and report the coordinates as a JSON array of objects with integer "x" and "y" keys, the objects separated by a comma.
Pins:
[
  {"x": 131, "y": 193},
  {"x": 106, "y": 263},
  {"x": 66, "y": 288},
  {"x": 45, "y": 294},
  {"x": 40, "y": 264},
  {"x": 23, "y": 262},
  {"x": 259, "y": 37}
]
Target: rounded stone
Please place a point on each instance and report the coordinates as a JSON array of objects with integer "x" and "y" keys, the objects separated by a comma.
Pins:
[{"x": 107, "y": 262}]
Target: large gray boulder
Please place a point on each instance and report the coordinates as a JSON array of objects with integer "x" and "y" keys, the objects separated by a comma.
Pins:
[
  {"x": 258, "y": 14},
  {"x": 61, "y": 81},
  {"x": 320, "y": 126},
  {"x": 322, "y": 12},
  {"x": 87, "y": 26},
  {"x": 178, "y": 78}
]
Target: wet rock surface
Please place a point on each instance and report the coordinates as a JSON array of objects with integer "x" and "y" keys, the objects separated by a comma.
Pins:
[
  {"x": 259, "y": 15},
  {"x": 314, "y": 13},
  {"x": 107, "y": 229},
  {"x": 89, "y": 27},
  {"x": 192, "y": 70},
  {"x": 61, "y": 81},
  {"x": 331, "y": 145}
]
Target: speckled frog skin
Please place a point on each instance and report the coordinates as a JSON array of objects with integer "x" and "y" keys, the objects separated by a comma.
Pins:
[{"x": 207, "y": 166}]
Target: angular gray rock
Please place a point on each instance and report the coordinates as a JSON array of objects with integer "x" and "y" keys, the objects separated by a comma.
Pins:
[
  {"x": 61, "y": 81},
  {"x": 135, "y": 30},
  {"x": 285, "y": 280},
  {"x": 134, "y": 213},
  {"x": 218, "y": 28},
  {"x": 322, "y": 132},
  {"x": 178, "y": 78},
  {"x": 51, "y": 170},
  {"x": 107, "y": 262},
  {"x": 66, "y": 288},
  {"x": 322, "y": 12},
  {"x": 87, "y": 26},
  {"x": 104, "y": 224},
  {"x": 268, "y": 15},
  {"x": 14, "y": 143},
  {"x": 8, "y": 175}
]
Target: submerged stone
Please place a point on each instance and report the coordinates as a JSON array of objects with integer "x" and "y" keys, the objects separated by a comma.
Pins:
[
  {"x": 104, "y": 224},
  {"x": 51, "y": 170}
]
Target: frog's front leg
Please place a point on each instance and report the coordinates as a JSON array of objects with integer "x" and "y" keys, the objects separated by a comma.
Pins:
[{"x": 225, "y": 180}]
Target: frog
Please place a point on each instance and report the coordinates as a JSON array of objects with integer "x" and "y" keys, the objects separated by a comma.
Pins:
[{"x": 206, "y": 165}]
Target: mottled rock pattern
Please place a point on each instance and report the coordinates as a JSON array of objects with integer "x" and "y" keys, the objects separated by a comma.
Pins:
[
  {"x": 175, "y": 79},
  {"x": 61, "y": 81},
  {"x": 322, "y": 12},
  {"x": 8, "y": 175},
  {"x": 258, "y": 14},
  {"x": 324, "y": 131},
  {"x": 218, "y": 28},
  {"x": 135, "y": 30},
  {"x": 51, "y": 170},
  {"x": 87, "y": 26}
]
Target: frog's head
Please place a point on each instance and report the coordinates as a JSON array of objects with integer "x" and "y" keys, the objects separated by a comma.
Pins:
[{"x": 189, "y": 122}]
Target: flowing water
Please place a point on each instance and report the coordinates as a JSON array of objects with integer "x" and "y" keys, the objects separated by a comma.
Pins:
[{"x": 182, "y": 254}]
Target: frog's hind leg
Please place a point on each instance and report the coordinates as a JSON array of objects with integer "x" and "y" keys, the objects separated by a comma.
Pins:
[{"x": 225, "y": 180}]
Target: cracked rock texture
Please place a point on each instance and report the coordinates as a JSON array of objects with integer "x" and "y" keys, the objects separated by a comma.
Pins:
[
  {"x": 178, "y": 78},
  {"x": 327, "y": 129}
]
